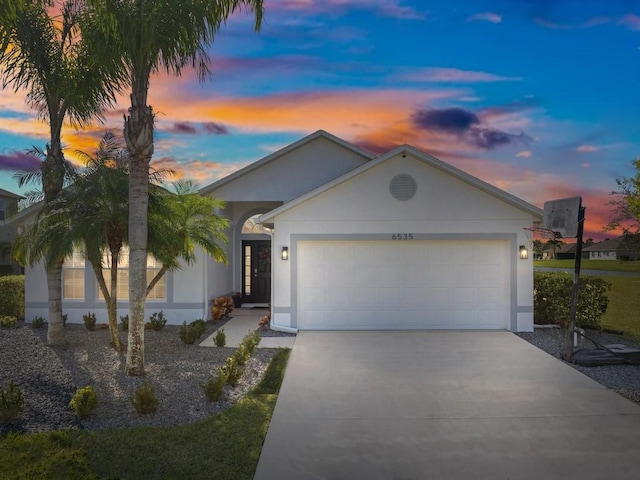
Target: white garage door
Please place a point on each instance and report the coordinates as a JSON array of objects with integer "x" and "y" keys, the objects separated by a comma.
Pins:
[{"x": 387, "y": 285}]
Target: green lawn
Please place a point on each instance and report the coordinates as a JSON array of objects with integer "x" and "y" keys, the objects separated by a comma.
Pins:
[
  {"x": 623, "y": 312},
  {"x": 224, "y": 446},
  {"x": 611, "y": 265}
]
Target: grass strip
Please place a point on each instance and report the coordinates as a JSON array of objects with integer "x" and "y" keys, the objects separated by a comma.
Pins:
[
  {"x": 585, "y": 264},
  {"x": 624, "y": 305}
]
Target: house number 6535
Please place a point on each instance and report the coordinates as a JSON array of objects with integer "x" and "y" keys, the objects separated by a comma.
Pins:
[{"x": 402, "y": 236}]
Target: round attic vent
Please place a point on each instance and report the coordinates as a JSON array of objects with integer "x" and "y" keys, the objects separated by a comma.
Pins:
[{"x": 403, "y": 187}]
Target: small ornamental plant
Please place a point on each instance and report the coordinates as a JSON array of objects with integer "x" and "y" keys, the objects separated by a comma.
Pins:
[
  {"x": 189, "y": 334},
  {"x": 11, "y": 405},
  {"x": 89, "y": 321},
  {"x": 214, "y": 388},
  {"x": 7, "y": 321},
  {"x": 157, "y": 321},
  {"x": 124, "y": 322},
  {"x": 232, "y": 371},
  {"x": 220, "y": 338},
  {"x": 145, "y": 400},
  {"x": 37, "y": 322},
  {"x": 85, "y": 402}
]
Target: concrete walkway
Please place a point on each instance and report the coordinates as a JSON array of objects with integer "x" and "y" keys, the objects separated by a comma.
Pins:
[
  {"x": 242, "y": 321},
  {"x": 443, "y": 405}
]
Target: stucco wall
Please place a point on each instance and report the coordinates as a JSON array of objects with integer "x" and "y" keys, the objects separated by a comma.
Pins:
[{"x": 443, "y": 207}]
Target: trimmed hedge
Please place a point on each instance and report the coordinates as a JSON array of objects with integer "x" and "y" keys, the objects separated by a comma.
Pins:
[
  {"x": 12, "y": 296},
  {"x": 552, "y": 299}
]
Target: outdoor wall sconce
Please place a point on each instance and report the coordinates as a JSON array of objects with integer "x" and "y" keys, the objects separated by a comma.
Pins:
[
  {"x": 285, "y": 253},
  {"x": 524, "y": 253}
]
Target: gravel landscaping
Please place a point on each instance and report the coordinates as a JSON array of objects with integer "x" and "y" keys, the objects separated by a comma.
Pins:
[
  {"x": 624, "y": 379},
  {"x": 49, "y": 376}
]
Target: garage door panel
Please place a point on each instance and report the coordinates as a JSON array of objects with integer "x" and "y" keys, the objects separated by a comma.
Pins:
[{"x": 403, "y": 285}]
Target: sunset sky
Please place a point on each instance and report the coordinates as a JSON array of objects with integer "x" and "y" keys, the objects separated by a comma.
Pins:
[{"x": 539, "y": 98}]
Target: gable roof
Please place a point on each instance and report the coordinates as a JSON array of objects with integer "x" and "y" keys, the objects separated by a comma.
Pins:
[
  {"x": 283, "y": 151},
  {"x": 429, "y": 160},
  {"x": 7, "y": 193},
  {"x": 609, "y": 245}
]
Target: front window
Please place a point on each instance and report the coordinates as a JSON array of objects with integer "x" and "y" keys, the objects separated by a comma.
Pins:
[
  {"x": 153, "y": 267},
  {"x": 73, "y": 277}
]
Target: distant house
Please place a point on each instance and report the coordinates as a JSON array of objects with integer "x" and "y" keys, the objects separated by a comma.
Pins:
[
  {"x": 8, "y": 205},
  {"x": 624, "y": 247},
  {"x": 566, "y": 251}
]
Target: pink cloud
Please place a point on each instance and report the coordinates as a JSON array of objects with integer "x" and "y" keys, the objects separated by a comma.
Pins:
[
  {"x": 386, "y": 8},
  {"x": 524, "y": 154},
  {"x": 486, "y": 17},
  {"x": 587, "y": 148},
  {"x": 453, "y": 75},
  {"x": 630, "y": 21}
]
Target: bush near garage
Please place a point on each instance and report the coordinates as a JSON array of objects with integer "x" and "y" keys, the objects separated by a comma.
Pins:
[
  {"x": 12, "y": 296},
  {"x": 552, "y": 299}
]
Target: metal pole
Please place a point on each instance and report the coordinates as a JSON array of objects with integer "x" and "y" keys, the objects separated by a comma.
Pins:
[{"x": 576, "y": 284}]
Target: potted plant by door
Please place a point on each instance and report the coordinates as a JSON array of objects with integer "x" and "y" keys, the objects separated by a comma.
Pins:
[{"x": 237, "y": 300}]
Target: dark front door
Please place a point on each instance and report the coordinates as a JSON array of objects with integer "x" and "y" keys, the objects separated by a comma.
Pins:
[{"x": 256, "y": 271}]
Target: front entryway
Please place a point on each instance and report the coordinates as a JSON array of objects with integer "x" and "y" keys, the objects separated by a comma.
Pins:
[{"x": 256, "y": 271}]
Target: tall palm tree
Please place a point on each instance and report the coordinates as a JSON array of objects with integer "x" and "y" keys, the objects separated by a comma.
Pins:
[
  {"x": 148, "y": 36},
  {"x": 41, "y": 51}
]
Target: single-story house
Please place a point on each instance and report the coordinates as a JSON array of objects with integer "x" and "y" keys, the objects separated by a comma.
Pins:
[
  {"x": 334, "y": 237},
  {"x": 8, "y": 206},
  {"x": 625, "y": 247}
]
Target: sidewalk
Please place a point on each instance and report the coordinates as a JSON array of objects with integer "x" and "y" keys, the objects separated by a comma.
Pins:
[{"x": 242, "y": 321}]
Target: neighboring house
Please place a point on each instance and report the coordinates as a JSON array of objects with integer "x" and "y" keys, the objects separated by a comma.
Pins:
[
  {"x": 566, "y": 251},
  {"x": 620, "y": 248},
  {"x": 334, "y": 237},
  {"x": 8, "y": 206}
]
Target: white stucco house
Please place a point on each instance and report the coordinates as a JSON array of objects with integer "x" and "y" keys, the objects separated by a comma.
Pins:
[{"x": 334, "y": 237}]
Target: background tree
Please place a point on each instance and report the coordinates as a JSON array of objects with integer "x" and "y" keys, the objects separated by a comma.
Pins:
[
  {"x": 555, "y": 244},
  {"x": 626, "y": 203},
  {"x": 41, "y": 52},
  {"x": 147, "y": 37},
  {"x": 538, "y": 248}
]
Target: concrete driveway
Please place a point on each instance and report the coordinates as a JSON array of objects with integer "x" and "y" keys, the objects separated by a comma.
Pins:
[{"x": 443, "y": 405}]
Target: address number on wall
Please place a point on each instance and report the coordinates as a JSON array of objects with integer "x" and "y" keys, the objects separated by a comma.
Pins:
[{"x": 402, "y": 236}]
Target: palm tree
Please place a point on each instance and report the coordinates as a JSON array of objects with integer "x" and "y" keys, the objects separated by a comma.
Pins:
[
  {"x": 44, "y": 55},
  {"x": 148, "y": 36},
  {"x": 191, "y": 223}
]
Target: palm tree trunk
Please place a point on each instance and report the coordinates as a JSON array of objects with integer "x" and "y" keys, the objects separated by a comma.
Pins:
[
  {"x": 112, "y": 304},
  {"x": 138, "y": 133},
  {"x": 52, "y": 183},
  {"x": 55, "y": 330}
]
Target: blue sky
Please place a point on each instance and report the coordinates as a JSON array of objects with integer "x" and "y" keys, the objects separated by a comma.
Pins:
[{"x": 539, "y": 98}]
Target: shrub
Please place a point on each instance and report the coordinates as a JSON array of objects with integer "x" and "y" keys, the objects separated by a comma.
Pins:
[
  {"x": 222, "y": 308},
  {"x": 12, "y": 296},
  {"x": 214, "y": 387},
  {"x": 37, "y": 322},
  {"x": 232, "y": 371},
  {"x": 220, "y": 338},
  {"x": 189, "y": 334},
  {"x": 552, "y": 299},
  {"x": 89, "y": 321},
  {"x": 11, "y": 405},
  {"x": 7, "y": 321},
  {"x": 124, "y": 322},
  {"x": 242, "y": 354},
  {"x": 251, "y": 341},
  {"x": 157, "y": 321},
  {"x": 145, "y": 400},
  {"x": 85, "y": 402}
]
